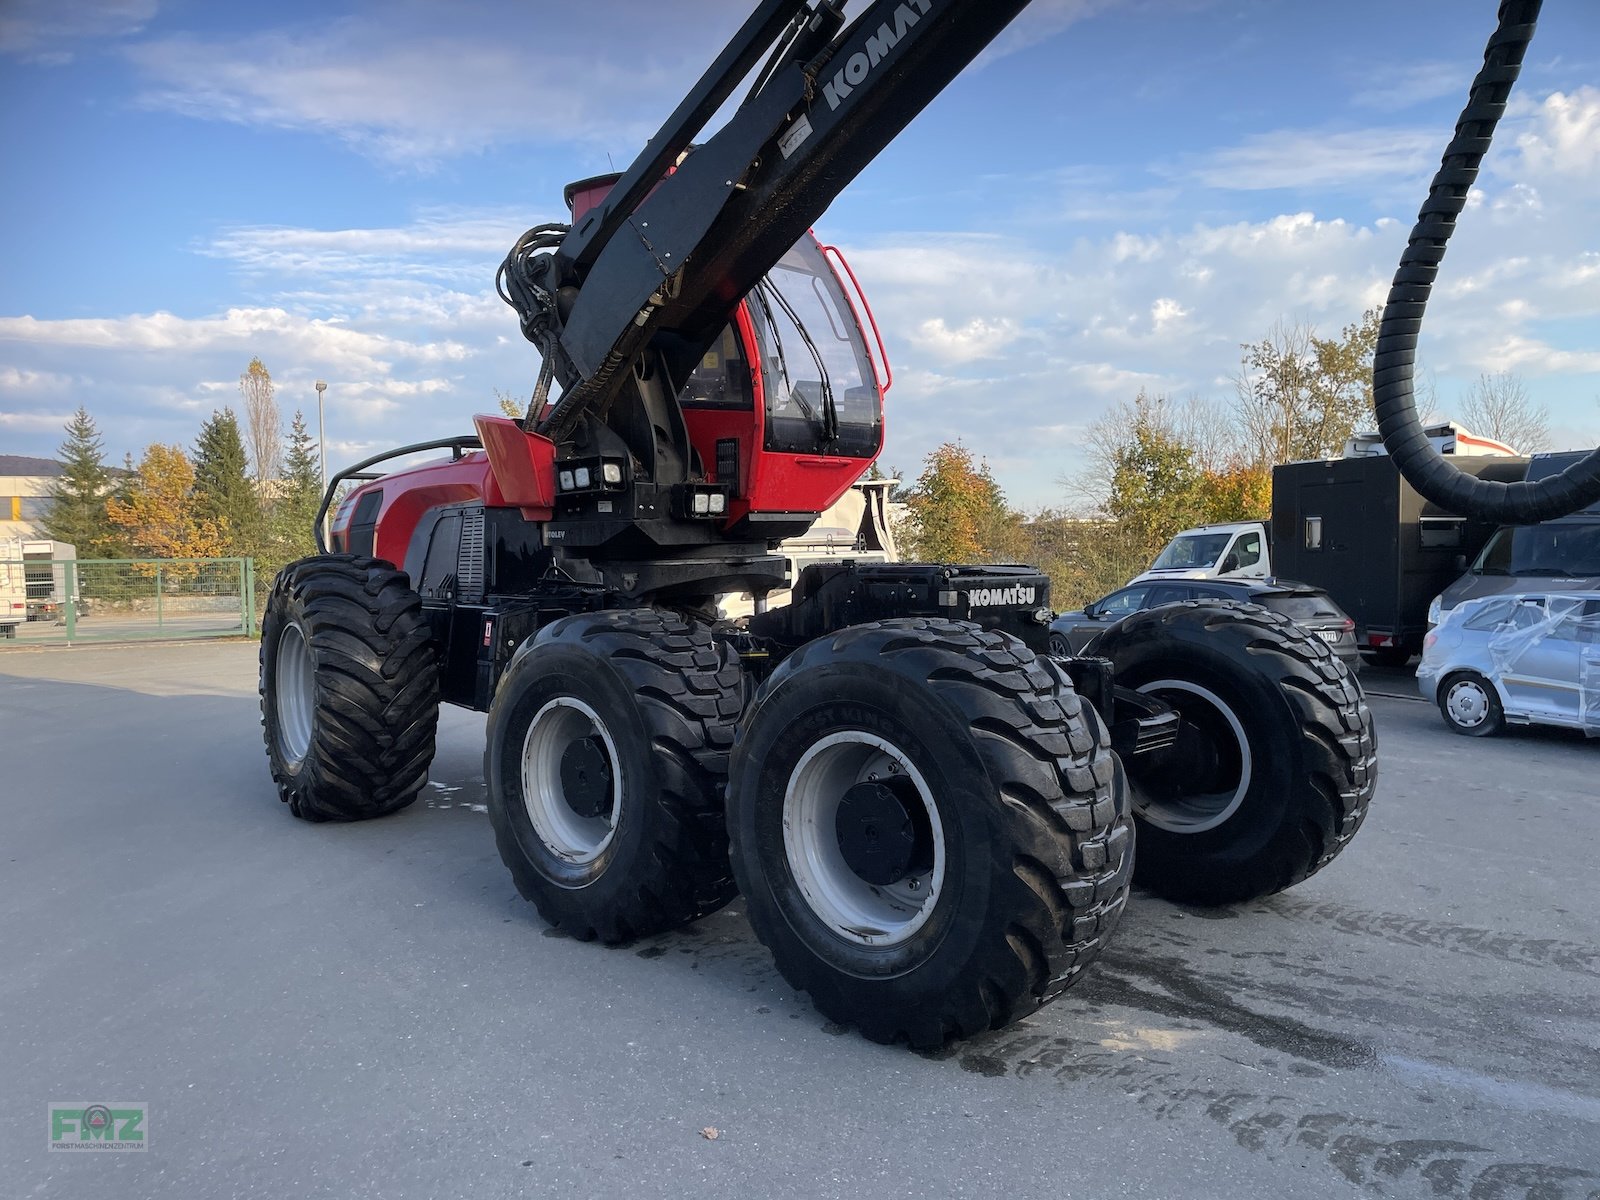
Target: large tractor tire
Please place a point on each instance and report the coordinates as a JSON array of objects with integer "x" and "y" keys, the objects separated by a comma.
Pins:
[
  {"x": 929, "y": 828},
  {"x": 607, "y": 754},
  {"x": 1275, "y": 761},
  {"x": 349, "y": 688}
]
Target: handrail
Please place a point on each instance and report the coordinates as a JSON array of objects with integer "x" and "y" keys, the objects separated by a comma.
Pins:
[
  {"x": 888, "y": 370},
  {"x": 456, "y": 445}
]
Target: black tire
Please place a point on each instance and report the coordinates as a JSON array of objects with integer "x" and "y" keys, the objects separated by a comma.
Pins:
[
  {"x": 1059, "y": 646},
  {"x": 346, "y": 634},
  {"x": 1480, "y": 698},
  {"x": 1025, "y": 793},
  {"x": 663, "y": 698},
  {"x": 1222, "y": 819}
]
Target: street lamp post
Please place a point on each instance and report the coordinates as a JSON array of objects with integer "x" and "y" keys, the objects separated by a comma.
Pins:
[
  {"x": 322, "y": 440},
  {"x": 322, "y": 444}
]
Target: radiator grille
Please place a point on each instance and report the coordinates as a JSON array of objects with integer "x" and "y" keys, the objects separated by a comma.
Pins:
[{"x": 469, "y": 559}]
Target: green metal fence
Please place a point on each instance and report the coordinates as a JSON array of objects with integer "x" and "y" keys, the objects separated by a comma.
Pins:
[{"x": 135, "y": 599}]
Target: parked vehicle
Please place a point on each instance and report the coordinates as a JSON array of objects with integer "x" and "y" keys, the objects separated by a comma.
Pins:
[
  {"x": 1240, "y": 548},
  {"x": 854, "y": 528},
  {"x": 43, "y": 567},
  {"x": 1530, "y": 658},
  {"x": 13, "y": 590},
  {"x": 1560, "y": 555},
  {"x": 929, "y": 827},
  {"x": 1311, "y": 608},
  {"x": 1355, "y": 528},
  {"x": 1446, "y": 437},
  {"x": 1243, "y": 549}
]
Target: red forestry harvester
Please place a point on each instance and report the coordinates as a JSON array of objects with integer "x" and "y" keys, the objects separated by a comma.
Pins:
[{"x": 931, "y": 820}]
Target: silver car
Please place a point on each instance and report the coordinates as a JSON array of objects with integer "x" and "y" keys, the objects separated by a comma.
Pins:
[{"x": 1531, "y": 658}]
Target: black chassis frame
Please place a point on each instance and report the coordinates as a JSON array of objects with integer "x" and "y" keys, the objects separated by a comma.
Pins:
[{"x": 489, "y": 582}]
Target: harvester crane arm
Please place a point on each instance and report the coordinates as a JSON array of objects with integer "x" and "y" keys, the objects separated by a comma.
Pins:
[{"x": 683, "y": 235}]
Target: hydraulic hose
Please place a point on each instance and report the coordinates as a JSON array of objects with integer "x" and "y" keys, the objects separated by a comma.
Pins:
[{"x": 1396, "y": 352}]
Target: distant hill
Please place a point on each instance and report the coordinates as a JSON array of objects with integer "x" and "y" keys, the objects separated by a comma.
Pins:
[{"x": 24, "y": 464}]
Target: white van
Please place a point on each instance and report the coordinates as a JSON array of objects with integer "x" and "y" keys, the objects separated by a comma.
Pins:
[{"x": 1239, "y": 550}]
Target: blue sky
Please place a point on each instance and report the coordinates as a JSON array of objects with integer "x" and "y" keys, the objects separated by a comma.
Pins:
[{"x": 1116, "y": 196}]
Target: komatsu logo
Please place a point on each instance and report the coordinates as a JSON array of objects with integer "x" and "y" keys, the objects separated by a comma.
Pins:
[
  {"x": 856, "y": 68},
  {"x": 991, "y": 597}
]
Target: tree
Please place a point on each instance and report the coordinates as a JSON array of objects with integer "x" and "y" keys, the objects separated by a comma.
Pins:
[
  {"x": 295, "y": 512},
  {"x": 1300, "y": 396},
  {"x": 1499, "y": 407},
  {"x": 159, "y": 514},
  {"x": 958, "y": 512},
  {"x": 1156, "y": 485},
  {"x": 1206, "y": 428},
  {"x": 262, "y": 422},
  {"x": 223, "y": 495},
  {"x": 77, "y": 513},
  {"x": 510, "y": 405}
]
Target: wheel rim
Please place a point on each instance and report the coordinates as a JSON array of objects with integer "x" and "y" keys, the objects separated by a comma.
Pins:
[
  {"x": 295, "y": 691},
  {"x": 1207, "y": 785},
  {"x": 832, "y": 775},
  {"x": 1467, "y": 704},
  {"x": 571, "y": 780}
]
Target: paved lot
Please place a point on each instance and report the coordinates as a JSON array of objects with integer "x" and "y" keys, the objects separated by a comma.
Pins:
[{"x": 364, "y": 1010}]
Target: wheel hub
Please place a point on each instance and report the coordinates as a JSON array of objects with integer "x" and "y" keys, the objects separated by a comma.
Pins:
[
  {"x": 295, "y": 688},
  {"x": 878, "y": 831},
  {"x": 1467, "y": 704},
  {"x": 1203, "y": 779},
  {"x": 572, "y": 780},
  {"x": 863, "y": 838},
  {"x": 586, "y": 777}
]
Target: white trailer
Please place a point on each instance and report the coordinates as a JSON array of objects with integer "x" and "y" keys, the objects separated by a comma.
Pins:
[{"x": 13, "y": 587}]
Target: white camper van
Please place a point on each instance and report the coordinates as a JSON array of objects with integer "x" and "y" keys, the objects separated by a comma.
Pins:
[
  {"x": 856, "y": 527},
  {"x": 13, "y": 588}
]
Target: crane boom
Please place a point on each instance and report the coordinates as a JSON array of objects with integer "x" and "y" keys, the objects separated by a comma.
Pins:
[{"x": 674, "y": 252}]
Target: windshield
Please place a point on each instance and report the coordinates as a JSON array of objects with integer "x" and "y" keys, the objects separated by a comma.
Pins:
[
  {"x": 1555, "y": 550},
  {"x": 820, "y": 390},
  {"x": 1196, "y": 550}
]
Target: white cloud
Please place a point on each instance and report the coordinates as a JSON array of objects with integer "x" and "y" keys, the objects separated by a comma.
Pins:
[
  {"x": 1409, "y": 84},
  {"x": 1319, "y": 159},
  {"x": 46, "y": 31},
  {"x": 13, "y": 381},
  {"x": 33, "y": 422},
  {"x": 1565, "y": 142},
  {"x": 1166, "y": 311},
  {"x": 390, "y": 84},
  {"x": 162, "y": 332},
  {"x": 1041, "y": 20},
  {"x": 977, "y": 339}
]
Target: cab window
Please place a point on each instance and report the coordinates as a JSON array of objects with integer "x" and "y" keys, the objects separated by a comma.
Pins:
[{"x": 722, "y": 379}]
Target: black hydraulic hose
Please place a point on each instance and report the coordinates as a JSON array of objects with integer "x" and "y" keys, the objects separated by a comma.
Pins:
[{"x": 1396, "y": 352}]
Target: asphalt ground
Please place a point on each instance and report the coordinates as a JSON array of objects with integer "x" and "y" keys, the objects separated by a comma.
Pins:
[{"x": 370, "y": 1010}]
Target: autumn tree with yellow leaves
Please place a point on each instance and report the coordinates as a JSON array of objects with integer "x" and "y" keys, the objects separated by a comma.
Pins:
[{"x": 158, "y": 514}]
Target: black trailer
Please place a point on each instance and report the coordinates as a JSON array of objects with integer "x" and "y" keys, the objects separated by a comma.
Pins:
[{"x": 1355, "y": 528}]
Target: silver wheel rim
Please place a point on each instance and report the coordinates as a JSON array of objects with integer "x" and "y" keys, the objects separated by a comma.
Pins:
[
  {"x": 295, "y": 692},
  {"x": 864, "y": 913},
  {"x": 1467, "y": 703},
  {"x": 1199, "y": 812},
  {"x": 569, "y": 834}
]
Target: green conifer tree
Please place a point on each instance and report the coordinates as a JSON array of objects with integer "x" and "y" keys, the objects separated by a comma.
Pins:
[
  {"x": 77, "y": 512},
  {"x": 223, "y": 492},
  {"x": 301, "y": 494}
]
